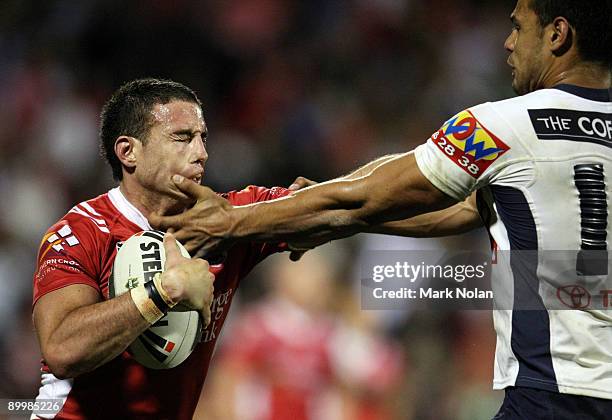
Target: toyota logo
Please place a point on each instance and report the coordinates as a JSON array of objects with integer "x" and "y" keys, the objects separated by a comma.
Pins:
[{"x": 574, "y": 296}]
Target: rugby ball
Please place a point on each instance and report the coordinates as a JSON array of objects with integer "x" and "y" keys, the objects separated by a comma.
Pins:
[{"x": 168, "y": 342}]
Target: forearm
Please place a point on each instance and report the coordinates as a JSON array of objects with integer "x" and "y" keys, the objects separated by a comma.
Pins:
[
  {"x": 300, "y": 216},
  {"x": 92, "y": 335},
  {"x": 460, "y": 218},
  {"x": 335, "y": 209}
]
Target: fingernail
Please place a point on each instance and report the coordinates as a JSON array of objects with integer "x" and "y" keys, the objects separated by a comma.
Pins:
[
  {"x": 294, "y": 187},
  {"x": 177, "y": 178}
]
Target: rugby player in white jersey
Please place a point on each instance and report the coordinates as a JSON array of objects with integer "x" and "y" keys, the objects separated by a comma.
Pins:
[{"x": 535, "y": 170}]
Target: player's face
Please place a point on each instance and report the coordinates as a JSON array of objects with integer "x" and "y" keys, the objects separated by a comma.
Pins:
[
  {"x": 526, "y": 46},
  {"x": 176, "y": 144}
]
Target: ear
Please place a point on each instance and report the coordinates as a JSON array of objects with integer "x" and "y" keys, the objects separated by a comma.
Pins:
[
  {"x": 126, "y": 149},
  {"x": 560, "y": 36}
]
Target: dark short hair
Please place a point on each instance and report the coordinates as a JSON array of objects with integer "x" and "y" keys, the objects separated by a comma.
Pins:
[
  {"x": 592, "y": 20},
  {"x": 128, "y": 113}
]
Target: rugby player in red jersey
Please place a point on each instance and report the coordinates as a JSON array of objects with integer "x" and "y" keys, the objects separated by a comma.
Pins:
[{"x": 150, "y": 130}]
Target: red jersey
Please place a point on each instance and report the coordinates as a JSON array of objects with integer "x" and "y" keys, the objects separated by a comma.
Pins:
[
  {"x": 287, "y": 351},
  {"x": 80, "y": 249},
  {"x": 292, "y": 362}
]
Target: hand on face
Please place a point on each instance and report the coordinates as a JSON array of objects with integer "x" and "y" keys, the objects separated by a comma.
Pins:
[
  {"x": 203, "y": 228},
  {"x": 175, "y": 144}
]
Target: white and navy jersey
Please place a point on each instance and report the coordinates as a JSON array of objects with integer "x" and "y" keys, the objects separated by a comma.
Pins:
[{"x": 542, "y": 164}]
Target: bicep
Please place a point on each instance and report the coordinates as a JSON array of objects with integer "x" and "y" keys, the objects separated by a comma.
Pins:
[
  {"x": 398, "y": 190},
  {"x": 53, "y": 307}
]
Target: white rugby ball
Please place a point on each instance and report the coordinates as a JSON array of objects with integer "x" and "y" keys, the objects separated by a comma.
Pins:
[{"x": 168, "y": 342}]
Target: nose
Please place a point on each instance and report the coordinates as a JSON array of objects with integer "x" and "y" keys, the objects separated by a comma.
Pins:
[
  {"x": 199, "y": 149},
  {"x": 510, "y": 41}
]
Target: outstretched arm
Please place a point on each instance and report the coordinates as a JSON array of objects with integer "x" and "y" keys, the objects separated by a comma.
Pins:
[
  {"x": 460, "y": 218},
  {"x": 394, "y": 190},
  {"x": 454, "y": 220}
]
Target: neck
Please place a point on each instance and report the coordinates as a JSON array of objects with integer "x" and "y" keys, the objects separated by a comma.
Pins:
[
  {"x": 584, "y": 74},
  {"x": 147, "y": 201}
]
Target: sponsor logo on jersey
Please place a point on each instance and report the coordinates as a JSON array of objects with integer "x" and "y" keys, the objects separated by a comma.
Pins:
[
  {"x": 49, "y": 262},
  {"x": 52, "y": 264},
  {"x": 574, "y": 296},
  {"x": 469, "y": 144},
  {"x": 58, "y": 240},
  {"x": 566, "y": 124},
  {"x": 219, "y": 306}
]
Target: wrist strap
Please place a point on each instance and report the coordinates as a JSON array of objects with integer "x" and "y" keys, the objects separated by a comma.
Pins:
[
  {"x": 146, "y": 306},
  {"x": 162, "y": 292},
  {"x": 155, "y": 296}
]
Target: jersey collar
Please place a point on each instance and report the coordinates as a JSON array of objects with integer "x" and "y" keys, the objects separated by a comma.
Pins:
[
  {"x": 127, "y": 209},
  {"x": 599, "y": 95}
]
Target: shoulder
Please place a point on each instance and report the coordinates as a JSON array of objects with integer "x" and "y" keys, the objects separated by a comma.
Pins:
[
  {"x": 520, "y": 105},
  {"x": 86, "y": 224},
  {"x": 73, "y": 250},
  {"x": 254, "y": 194},
  {"x": 533, "y": 98},
  {"x": 516, "y": 117}
]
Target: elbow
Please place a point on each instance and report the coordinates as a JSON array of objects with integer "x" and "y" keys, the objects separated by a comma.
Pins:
[
  {"x": 62, "y": 363},
  {"x": 60, "y": 371}
]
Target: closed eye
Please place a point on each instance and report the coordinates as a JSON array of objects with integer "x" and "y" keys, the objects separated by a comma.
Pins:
[
  {"x": 182, "y": 136},
  {"x": 186, "y": 136},
  {"x": 515, "y": 23}
]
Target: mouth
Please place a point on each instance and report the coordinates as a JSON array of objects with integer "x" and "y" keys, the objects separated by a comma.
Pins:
[{"x": 194, "y": 175}]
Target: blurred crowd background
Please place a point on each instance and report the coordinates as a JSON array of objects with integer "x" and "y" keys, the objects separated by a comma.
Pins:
[{"x": 313, "y": 88}]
